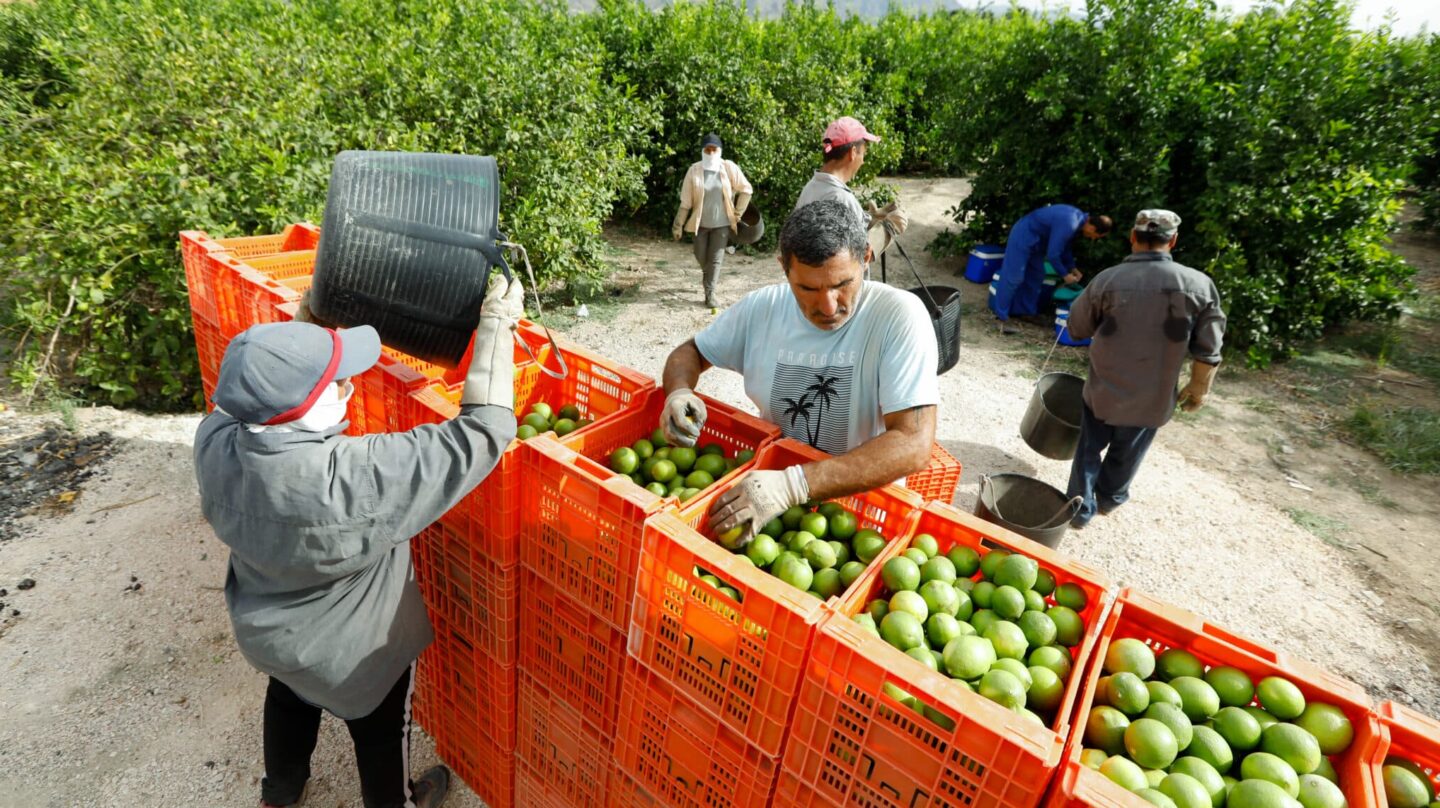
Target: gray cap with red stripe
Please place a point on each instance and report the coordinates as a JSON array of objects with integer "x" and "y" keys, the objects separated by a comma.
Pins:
[{"x": 274, "y": 372}]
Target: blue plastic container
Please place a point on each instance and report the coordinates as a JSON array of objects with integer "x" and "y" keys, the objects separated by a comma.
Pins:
[
  {"x": 984, "y": 262},
  {"x": 1062, "y": 330}
]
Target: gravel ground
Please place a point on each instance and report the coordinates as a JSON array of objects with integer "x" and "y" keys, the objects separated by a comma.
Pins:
[{"x": 122, "y": 685}]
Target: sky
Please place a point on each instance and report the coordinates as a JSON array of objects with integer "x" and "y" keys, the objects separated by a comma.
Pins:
[{"x": 1411, "y": 16}]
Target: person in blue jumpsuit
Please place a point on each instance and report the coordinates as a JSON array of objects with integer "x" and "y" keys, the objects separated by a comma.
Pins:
[{"x": 1041, "y": 235}]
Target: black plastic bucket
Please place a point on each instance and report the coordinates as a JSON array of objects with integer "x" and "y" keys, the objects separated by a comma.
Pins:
[
  {"x": 1051, "y": 425},
  {"x": 407, "y": 245},
  {"x": 942, "y": 303},
  {"x": 1025, "y": 505},
  {"x": 751, "y": 227}
]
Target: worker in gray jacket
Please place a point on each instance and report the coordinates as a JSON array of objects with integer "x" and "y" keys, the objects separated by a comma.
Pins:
[
  {"x": 321, "y": 591},
  {"x": 1145, "y": 316}
]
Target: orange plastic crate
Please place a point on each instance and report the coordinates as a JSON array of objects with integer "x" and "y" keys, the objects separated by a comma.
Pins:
[
  {"x": 473, "y": 595},
  {"x": 466, "y": 702},
  {"x": 568, "y": 758},
  {"x": 583, "y": 522},
  {"x": 395, "y": 397},
  {"x": 1410, "y": 735},
  {"x": 626, "y": 793},
  {"x": 731, "y": 428},
  {"x": 852, "y": 742},
  {"x": 741, "y": 661},
  {"x": 197, "y": 246},
  {"x": 1162, "y": 626},
  {"x": 679, "y": 752},
  {"x": 571, "y": 652},
  {"x": 938, "y": 480},
  {"x": 210, "y": 348}
]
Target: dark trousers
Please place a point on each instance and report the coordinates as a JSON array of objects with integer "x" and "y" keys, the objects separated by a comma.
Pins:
[
  {"x": 382, "y": 746},
  {"x": 1105, "y": 484},
  {"x": 710, "y": 243}
]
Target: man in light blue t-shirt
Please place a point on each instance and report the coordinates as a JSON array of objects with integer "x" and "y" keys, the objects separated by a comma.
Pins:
[{"x": 843, "y": 364}]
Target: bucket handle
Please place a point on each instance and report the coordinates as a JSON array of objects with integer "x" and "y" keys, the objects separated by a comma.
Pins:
[
  {"x": 1061, "y": 515},
  {"x": 535, "y": 290}
]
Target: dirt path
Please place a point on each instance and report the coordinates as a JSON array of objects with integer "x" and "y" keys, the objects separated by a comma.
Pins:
[{"x": 118, "y": 695}]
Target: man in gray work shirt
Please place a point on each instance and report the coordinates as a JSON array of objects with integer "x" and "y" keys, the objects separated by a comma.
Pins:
[
  {"x": 1144, "y": 315},
  {"x": 321, "y": 592},
  {"x": 843, "y": 153}
]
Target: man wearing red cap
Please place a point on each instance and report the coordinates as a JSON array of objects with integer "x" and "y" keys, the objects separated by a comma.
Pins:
[
  {"x": 321, "y": 592},
  {"x": 843, "y": 152}
]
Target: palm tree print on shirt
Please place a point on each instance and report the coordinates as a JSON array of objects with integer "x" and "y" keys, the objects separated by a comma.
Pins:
[{"x": 813, "y": 405}]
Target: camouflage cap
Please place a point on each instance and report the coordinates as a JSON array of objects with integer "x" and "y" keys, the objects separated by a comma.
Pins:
[{"x": 1158, "y": 222}]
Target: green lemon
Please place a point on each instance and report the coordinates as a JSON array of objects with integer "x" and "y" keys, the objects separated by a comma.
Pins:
[
  {"x": 1132, "y": 656},
  {"x": 902, "y": 630},
  {"x": 965, "y": 559},
  {"x": 1175, "y": 662},
  {"x": 1232, "y": 685},
  {"x": 901, "y": 574},
  {"x": 1281, "y": 698}
]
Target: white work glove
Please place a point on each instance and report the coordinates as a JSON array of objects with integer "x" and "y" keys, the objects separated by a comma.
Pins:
[
  {"x": 677, "y": 228},
  {"x": 683, "y": 416},
  {"x": 491, "y": 377},
  {"x": 756, "y": 499},
  {"x": 896, "y": 219},
  {"x": 1192, "y": 396}
]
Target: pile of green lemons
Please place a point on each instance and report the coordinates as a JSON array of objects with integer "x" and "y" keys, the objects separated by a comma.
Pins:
[
  {"x": 674, "y": 471},
  {"x": 1178, "y": 734},
  {"x": 998, "y": 624}
]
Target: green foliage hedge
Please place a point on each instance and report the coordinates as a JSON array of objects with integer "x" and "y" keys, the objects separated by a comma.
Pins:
[{"x": 1282, "y": 138}]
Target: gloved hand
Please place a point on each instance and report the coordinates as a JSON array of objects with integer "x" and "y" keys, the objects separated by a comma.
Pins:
[
  {"x": 756, "y": 499},
  {"x": 742, "y": 202},
  {"x": 678, "y": 227},
  {"x": 684, "y": 415},
  {"x": 896, "y": 219},
  {"x": 303, "y": 314},
  {"x": 1192, "y": 396},
  {"x": 491, "y": 377}
]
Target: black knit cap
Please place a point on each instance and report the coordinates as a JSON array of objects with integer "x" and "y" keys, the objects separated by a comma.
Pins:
[{"x": 711, "y": 139}]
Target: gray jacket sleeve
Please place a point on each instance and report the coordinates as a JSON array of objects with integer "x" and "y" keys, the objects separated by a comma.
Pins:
[
  {"x": 1084, "y": 314},
  {"x": 1208, "y": 336},
  {"x": 422, "y": 473}
]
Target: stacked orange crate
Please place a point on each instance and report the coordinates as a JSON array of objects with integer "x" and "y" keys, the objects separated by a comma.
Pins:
[
  {"x": 938, "y": 480},
  {"x": 579, "y": 546},
  {"x": 710, "y": 680},
  {"x": 854, "y": 742},
  {"x": 1409, "y": 737},
  {"x": 1162, "y": 627}
]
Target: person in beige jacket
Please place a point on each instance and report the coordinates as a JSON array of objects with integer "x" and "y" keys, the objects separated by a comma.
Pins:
[{"x": 713, "y": 197}]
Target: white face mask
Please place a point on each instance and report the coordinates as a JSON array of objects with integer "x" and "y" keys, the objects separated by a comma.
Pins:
[
  {"x": 327, "y": 411},
  {"x": 710, "y": 160}
]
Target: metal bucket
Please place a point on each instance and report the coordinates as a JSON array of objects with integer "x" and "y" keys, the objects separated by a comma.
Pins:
[
  {"x": 1051, "y": 425},
  {"x": 1025, "y": 505},
  {"x": 751, "y": 227}
]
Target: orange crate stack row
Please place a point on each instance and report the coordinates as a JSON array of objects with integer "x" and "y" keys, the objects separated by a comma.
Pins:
[
  {"x": 466, "y": 701},
  {"x": 741, "y": 661},
  {"x": 853, "y": 742},
  {"x": 584, "y": 522},
  {"x": 571, "y": 652},
  {"x": 1161, "y": 627},
  {"x": 564, "y": 760}
]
